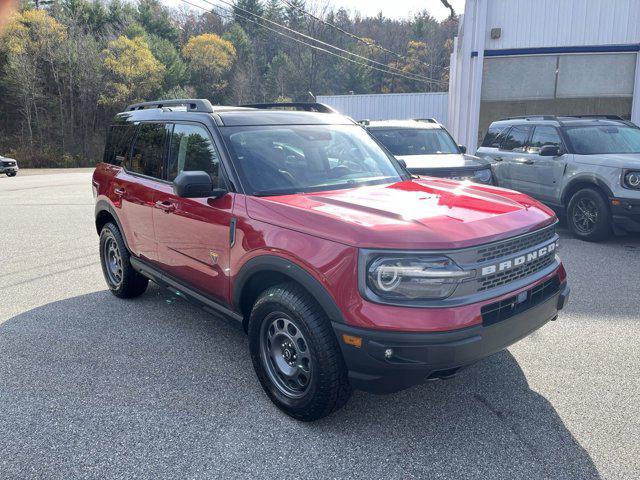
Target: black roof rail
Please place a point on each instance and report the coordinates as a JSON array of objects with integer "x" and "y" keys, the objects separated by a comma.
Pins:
[
  {"x": 604, "y": 117},
  {"x": 192, "y": 104},
  {"x": 426, "y": 120},
  {"x": 301, "y": 106},
  {"x": 532, "y": 117}
]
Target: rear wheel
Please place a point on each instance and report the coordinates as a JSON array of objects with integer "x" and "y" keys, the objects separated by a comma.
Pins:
[
  {"x": 588, "y": 215},
  {"x": 122, "y": 279},
  {"x": 11, "y": 174},
  {"x": 295, "y": 353}
]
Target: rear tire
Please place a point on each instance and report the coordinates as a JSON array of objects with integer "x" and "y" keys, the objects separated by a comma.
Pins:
[
  {"x": 588, "y": 215},
  {"x": 11, "y": 174},
  {"x": 122, "y": 279},
  {"x": 296, "y": 355}
]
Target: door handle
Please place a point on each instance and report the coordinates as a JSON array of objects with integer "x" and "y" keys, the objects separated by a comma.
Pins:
[
  {"x": 498, "y": 159},
  {"x": 165, "y": 206},
  {"x": 119, "y": 191}
]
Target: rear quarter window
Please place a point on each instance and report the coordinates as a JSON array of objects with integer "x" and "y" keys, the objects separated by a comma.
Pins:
[
  {"x": 491, "y": 138},
  {"x": 118, "y": 144}
]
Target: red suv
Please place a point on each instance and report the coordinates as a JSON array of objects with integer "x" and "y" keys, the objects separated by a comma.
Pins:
[{"x": 344, "y": 270}]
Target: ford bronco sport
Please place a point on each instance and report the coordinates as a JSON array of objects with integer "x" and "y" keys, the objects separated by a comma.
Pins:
[
  {"x": 428, "y": 149},
  {"x": 8, "y": 166},
  {"x": 344, "y": 271},
  {"x": 586, "y": 167}
]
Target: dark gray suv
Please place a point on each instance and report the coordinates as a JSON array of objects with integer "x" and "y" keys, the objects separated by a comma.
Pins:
[
  {"x": 586, "y": 167},
  {"x": 8, "y": 166}
]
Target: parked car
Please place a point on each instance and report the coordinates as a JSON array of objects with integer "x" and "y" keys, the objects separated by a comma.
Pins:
[
  {"x": 8, "y": 166},
  {"x": 428, "y": 149},
  {"x": 585, "y": 167},
  {"x": 344, "y": 271}
]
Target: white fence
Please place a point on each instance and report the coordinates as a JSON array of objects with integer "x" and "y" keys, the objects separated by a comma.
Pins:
[{"x": 390, "y": 106}]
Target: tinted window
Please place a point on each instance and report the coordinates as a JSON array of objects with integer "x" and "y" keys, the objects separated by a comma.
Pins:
[
  {"x": 119, "y": 144},
  {"x": 590, "y": 140},
  {"x": 491, "y": 138},
  {"x": 285, "y": 159},
  {"x": 416, "y": 141},
  {"x": 544, "y": 135},
  {"x": 515, "y": 138},
  {"x": 192, "y": 149},
  {"x": 146, "y": 157}
]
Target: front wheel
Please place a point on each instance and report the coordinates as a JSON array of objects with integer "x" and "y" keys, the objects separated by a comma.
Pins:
[
  {"x": 11, "y": 174},
  {"x": 588, "y": 215},
  {"x": 295, "y": 354}
]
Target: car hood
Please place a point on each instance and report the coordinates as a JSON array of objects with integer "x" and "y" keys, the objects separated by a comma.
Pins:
[
  {"x": 414, "y": 214},
  {"x": 616, "y": 160},
  {"x": 443, "y": 161}
]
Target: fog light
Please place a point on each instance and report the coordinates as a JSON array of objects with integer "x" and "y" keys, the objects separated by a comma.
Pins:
[{"x": 388, "y": 353}]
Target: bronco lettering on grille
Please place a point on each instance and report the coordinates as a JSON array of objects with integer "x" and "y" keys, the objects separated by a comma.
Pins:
[{"x": 518, "y": 261}]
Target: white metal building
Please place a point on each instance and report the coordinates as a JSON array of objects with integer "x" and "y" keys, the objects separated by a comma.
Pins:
[
  {"x": 390, "y": 106},
  {"x": 562, "y": 57}
]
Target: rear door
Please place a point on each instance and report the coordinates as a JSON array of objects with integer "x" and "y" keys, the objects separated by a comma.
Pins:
[
  {"x": 136, "y": 185},
  {"x": 511, "y": 154},
  {"x": 194, "y": 233}
]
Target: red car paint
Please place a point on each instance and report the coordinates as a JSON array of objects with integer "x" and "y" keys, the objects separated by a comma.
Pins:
[{"x": 320, "y": 232}]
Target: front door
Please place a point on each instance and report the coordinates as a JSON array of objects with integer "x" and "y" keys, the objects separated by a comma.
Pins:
[
  {"x": 541, "y": 177},
  {"x": 193, "y": 233}
]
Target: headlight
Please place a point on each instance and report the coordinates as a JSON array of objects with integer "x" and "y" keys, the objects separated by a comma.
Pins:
[
  {"x": 631, "y": 179},
  {"x": 411, "y": 277},
  {"x": 483, "y": 176}
]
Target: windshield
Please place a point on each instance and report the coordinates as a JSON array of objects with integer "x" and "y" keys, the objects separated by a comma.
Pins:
[
  {"x": 599, "y": 139},
  {"x": 282, "y": 159},
  {"x": 416, "y": 141}
]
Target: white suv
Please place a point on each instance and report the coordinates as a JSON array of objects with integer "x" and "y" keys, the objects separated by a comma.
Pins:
[{"x": 586, "y": 167}]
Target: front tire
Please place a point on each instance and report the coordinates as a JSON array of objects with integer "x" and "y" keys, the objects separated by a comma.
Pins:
[
  {"x": 11, "y": 174},
  {"x": 296, "y": 355},
  {"x": 122, "y": 279},
  {"x": 588, "y": 215}
]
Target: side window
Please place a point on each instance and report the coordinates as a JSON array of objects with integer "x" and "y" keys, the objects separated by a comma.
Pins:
[
  {"x": 192, "y": 149},
  {"x": 491, "y": 138},
  {"x": 146, "y": 157},
  {"x": 118, "y": 145},
  {"x": 544, "y": 135},
  {"x": 515, "y": 139}
]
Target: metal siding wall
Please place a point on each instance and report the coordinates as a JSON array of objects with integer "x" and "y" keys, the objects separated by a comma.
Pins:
[
  {"x": 560, "y": 23},
  {"x": 390, "y": 106}
]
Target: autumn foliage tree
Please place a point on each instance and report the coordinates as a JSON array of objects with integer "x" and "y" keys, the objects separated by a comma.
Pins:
[{"x": 209, "y": 58}]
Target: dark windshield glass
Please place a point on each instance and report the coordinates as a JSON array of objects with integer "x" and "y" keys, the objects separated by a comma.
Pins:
[
  {"x": 416, "y": 141},
  {"x": 283, "y": 159},
  {"x": 599, "y": 139}
]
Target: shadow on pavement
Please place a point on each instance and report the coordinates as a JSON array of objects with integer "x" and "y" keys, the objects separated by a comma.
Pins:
[{"x": 94, "y": 386}]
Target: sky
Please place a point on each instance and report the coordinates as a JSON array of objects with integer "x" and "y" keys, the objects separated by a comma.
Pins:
[
  {"x": 400, "y": 8},
  {"x": 389, "y": 8}
]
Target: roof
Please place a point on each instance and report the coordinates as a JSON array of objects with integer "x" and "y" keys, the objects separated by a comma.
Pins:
[
  {"x": 565, "y": 120},
  {"x": 379, "y": 124},
  {"x": 228, "y": 116}
]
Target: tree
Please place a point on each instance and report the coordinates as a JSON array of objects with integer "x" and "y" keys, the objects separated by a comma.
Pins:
[
  {"x": 132, "y": 72},
  {"x": 209, "y": 60},
  {"x": 175, "y": 75},
  {"x": 156, "y": 19},
  {"x": 243, "y": 10},
  {"x": 280, "y": 76}
]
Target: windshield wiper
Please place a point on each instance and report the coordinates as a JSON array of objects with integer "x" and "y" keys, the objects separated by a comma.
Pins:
[{"x": 274, "y": 192}]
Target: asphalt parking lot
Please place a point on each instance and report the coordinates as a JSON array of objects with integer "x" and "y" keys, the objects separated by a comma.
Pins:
[{"x": 94, "y": 386}]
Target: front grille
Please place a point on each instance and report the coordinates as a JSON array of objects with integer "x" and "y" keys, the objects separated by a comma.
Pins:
[
  {"x": 507, "y": 308},
  {"x": 508, "y": 276},
  {"x": 8, "y": 164},
  {"x": 508, "y": 247}
]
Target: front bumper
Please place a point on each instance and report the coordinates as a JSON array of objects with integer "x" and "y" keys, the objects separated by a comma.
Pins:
[
  {"x": 418, "y": 357},
  {"x": 11, "y": 169},
  {"x": 625, "y": 213}
]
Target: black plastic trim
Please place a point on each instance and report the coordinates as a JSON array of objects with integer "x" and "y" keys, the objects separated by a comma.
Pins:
[
  {"x": 105, "y": 206},
  {"x": 585, "y": 178},
  {"x": 201, "y": 298},
  {"x": 289, "y": 269}
]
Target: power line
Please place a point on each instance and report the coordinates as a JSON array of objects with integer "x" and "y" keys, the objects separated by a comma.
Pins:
[
  {"x": 304, "y": 35},
  {"x": 315, "y": 47},
  {"x": 367, "y": 42}
]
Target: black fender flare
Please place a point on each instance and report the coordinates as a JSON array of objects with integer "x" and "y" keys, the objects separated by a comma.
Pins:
[
  {"x": 289, "y": 269},
  {"x": 105, "y": 206},
  {"x": 585, "y": 178}
]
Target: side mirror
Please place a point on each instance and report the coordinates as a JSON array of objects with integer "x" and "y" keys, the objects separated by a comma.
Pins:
[
  {"x": 549, "y": 151},
  {"x": 462, "y": 149},
  {"x": 197, "y": 184}
]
